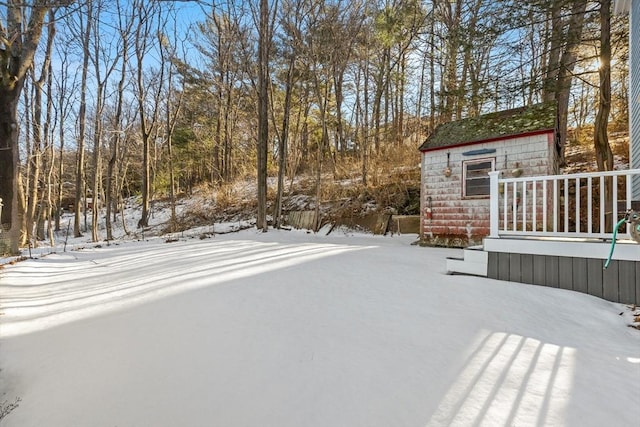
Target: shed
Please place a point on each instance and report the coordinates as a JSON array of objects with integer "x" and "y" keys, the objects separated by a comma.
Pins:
[{"x": 456, "y": 160}]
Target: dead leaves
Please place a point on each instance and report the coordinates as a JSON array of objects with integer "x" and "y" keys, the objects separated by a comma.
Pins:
[{"x": 636, "y": 316}]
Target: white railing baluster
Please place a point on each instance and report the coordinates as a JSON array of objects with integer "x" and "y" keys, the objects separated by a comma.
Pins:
[
  {"x": 628, "y": 195},
  {"x": 555, "y": 205},
  {"x": 545, "y": 206},
  {"x": 577, "y": 205},
  {"x": 494, "y": 204},
  {"x": 514, "y": 208},
  {"x": 614, "y": 197},
  {"x": 603, "y": 206},
  {"x": 590, "y": 203},
  {"x": 566, "y": 205},
  {"x": 505, "y": 192},
  {"x": 518, "y": 191},
  {"x": 628, "y": 198},
  {"x": 534, "y": 220},
  {"x": 524, "y": 205}
]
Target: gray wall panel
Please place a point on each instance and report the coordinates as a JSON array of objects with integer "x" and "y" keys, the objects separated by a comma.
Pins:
[
  {"x": 565, "y": 273},
  {"x": 492, "y": 266},
  {"x": 503, "y": 266},
  {"x": 551, "y": 271},
  {"x": 627, "y": 281},
  {"x": 515, "y": 267},
  {"x": 526, "y": 263},
  {"x": 580, "y": 275},
  {"x": 620, "y": 282},
  {"x": 539, "y": 277},
  {"x": 594, "y": 277},
  {"x": 610, "y": 281}
]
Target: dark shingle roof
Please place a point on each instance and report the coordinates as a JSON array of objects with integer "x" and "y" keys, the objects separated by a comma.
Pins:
[{"x": 502, "y": 124}]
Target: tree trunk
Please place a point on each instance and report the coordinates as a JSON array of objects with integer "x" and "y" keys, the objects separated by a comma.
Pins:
[
  {"x": 453, "y": 18},
  {"x": 365, "y": 124},
  {"x": 604, "y": 155},
  {"x": 263, "y": 117},
  {"x": 432, "y": 77},
  {"x": 60, "y": 187},
  {"x": 50, "y": 157},
  {"x": 553, "y": 52},
  {"x": 82, "y": 114},
  {"x": 9, "y": 161},
  {"x": 282, "y": 146},
  {"x": 115, "y": 139},
  {"x": 145, "y": 13},
  {"x": 35, "y": 165},
  {"x": 565, "y": 70},
  {"x": 338, "y": 81},
  {"x": 97, "y": 163},
  {"x": 16, "y": 58}
]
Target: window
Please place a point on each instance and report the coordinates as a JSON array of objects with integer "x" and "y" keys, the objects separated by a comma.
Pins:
[{"x": 476, "y": 177}]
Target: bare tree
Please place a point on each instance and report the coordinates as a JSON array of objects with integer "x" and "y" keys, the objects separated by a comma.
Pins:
[
  {"x": 85, "y": 37},
  {"x": 223, "y": 36},
  {"x": 21, "y": 28},
  {"x": 265, "y": 38},
  {"x": 37, "y": 150},
  {"x": 604, "y": 155},
  {"x": 66, "y": 85},
  {"x": 49, "y": 130},
  {"x": 291, "y": 21},
  {"x": 173, "y": 107},
  {"x": 146, "y": 14},
  {"x": 124, "y": 31},
  {"x": 561, "y": 60},
  {"x": 104, "y": 64}
]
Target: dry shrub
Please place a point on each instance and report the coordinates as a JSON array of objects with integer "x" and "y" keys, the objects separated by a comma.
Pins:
[
  {"x": 620, "y": 147},
  {"x": 227, "y": 196},
  {"x": 580, "y": 152},
  {"x": 6, "y": 407},
  {"x": 199, "y": 212},
  {"x": 393, "y": 185}
]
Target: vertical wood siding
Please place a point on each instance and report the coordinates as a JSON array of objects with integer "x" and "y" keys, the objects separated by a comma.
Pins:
[
  {"x": 620, "y": 282},
  {"x": 634, "y": 96}
]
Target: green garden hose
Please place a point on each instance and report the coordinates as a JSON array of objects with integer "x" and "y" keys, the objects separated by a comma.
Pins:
[{"x": 613, "y": 241}]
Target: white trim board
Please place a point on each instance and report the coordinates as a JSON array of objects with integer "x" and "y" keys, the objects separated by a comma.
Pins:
[{"x": 624, "y": 250}]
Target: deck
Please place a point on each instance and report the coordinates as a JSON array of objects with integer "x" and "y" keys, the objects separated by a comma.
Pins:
[{"x": 557, "y": 231}]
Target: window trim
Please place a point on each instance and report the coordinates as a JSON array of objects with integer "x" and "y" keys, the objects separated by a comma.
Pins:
[{"x": 465, "y": 164}]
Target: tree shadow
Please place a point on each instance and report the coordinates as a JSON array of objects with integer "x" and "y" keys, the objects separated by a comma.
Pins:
[{"x": 61, "y": 289}]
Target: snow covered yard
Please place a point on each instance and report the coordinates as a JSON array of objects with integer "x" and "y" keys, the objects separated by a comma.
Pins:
[{"x": 295, "y": 329}]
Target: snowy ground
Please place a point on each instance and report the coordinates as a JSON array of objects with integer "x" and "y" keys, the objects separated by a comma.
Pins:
[{"x": 296, "y": 329}]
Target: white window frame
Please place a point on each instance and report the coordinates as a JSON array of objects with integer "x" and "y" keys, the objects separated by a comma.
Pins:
[{"x": 465, "y": 165}]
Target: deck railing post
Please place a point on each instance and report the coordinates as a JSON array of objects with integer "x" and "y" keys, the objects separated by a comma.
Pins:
[{"x": 494, "y": 204}]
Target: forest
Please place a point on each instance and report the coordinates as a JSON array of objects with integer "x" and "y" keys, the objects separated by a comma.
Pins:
[{"x": 104, "y": 100}]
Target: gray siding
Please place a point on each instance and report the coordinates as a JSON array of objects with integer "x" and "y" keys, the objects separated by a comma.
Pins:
[
  {"x": 620, "y": 282},
  {"x": 634, "y": 96}
]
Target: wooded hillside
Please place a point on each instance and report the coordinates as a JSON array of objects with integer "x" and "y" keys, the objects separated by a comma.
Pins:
[{"x": 102, "y": 100}]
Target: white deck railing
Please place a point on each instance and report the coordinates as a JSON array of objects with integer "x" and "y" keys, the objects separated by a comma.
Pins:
[{"x": 561, "y": 205}]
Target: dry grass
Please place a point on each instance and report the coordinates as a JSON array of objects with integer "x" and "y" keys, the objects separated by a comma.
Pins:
[
  {"x": 393, "y": 185},
  {"x": 580, "y": 152}
]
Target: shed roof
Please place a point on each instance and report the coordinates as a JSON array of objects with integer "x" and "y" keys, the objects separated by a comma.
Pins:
[{"x": 517, "y": 121}]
